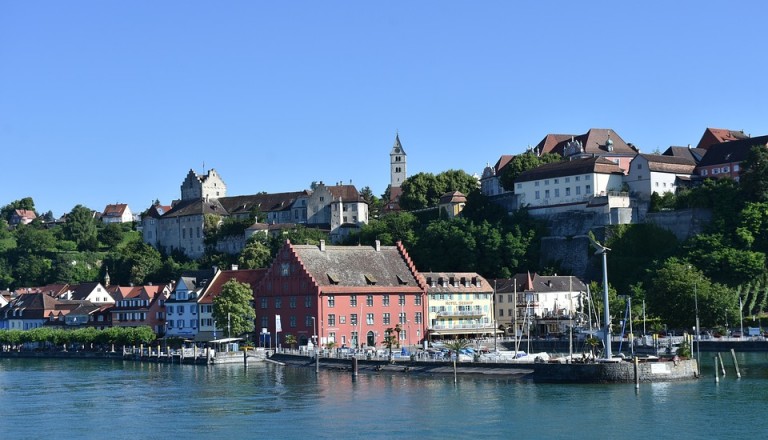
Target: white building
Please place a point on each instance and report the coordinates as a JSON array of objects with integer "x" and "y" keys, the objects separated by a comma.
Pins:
[
  {"x": 182, "y": 313},
  {"x": 570, "y": 185},
  {"x": 656, "y": 173}
]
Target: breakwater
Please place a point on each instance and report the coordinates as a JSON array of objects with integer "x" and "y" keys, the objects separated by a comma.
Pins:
[{"x": 664, "y": 370}]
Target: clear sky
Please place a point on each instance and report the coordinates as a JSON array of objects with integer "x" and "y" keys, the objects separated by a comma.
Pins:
[{"x": 114, "y": 101}]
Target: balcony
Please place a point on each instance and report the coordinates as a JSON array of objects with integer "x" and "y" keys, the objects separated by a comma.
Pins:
[{"x": 462, "y": 313}]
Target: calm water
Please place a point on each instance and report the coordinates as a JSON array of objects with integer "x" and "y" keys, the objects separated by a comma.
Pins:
[{"x": 122, "y": 400}]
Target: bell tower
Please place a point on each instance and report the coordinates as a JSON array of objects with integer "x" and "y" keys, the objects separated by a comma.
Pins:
[{"x": 397, "y": 170}]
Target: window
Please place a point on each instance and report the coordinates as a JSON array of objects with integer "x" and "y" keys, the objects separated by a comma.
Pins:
[
  {"x": 519, "y": 186},
  {"x": 369, "y": 300},
  {"x": 342, "y": 319},
  {"x": 402, "y": 318},
  {"x": 265, "y": 321},
  {"x": 587, "y": 189},
  {"x": 180, "y": 323},
  {"x": 353, "y": 318},
  {"x": 567, "y": 179},
  {"x": 331, "y": 320},
  {"x": 401, "y": 300},
  {"x": 264, "y": 303},
  {"x": 292, "y": 321},
  {"x": 736, "y": 167},
  {"x": 307, "y": 321},
  {"x": 568, "y": 191},
  {"x": 557, "y": 192},
  {"x": 353, "y": 301},
  {"x": 639, "y": 166},
  {"x": 181, "y": 310},
  {"x": 546, "y": 193},
  {"x": 578, "y": 190},
  {"x": 369, "y": 318},
  {"x": 386, "y": 319},
  {"x": 193, "y": 323},
  {"x": 501, "y": 312},
  {"x": 417, "y": 318},
  {"x": 536, "y": 183},
  {"x": 193, "y": 310},
  {"x": 578, "y": 178},
  {"x": 331, "y": 300},
  {"x": 170, "y": 324},
  {"x": 704, "y": 172},
  {"x": 557, "y": 181},
  {"x": 170, "y": 310},
  {"x": 538, "y": 196},
  {"x": 308, "y": 301},
  {"x": 278, "y": 303},
  {"x": 403, "y": 335},
  {"x": 292, "y": 302},
  {"x": 385, "y": 300},
  {"x": 417, "y": 300},
  {"x": 546, "y": 182},
  {"x": 726, "y": 169}
]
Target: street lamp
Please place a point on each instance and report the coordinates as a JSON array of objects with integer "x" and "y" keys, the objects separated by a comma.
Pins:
[
  {"x": 317, "y": 342},
  {"x": 602, "y": 250}
]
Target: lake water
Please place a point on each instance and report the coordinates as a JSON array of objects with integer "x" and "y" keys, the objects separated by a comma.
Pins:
[{"x": 130, "y": 400}]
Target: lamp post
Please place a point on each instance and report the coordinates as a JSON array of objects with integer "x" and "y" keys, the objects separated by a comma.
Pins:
[
  {"x": 741, "y": 318},
  {"x": 317, "y": 342},
  {"x": 602, "y": 250}
]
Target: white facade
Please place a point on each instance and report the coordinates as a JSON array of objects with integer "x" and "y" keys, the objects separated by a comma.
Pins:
[
  {"x": 181, "y": 310},
  {"x": 645, "y": 177},
  {"x": 397, "y": 164},
  {"x": 566, "y": 190}
]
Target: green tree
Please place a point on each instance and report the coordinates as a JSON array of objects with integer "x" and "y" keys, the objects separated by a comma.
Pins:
[
  {"x": 423, "y": 190},
  {"x": 256, "y": 254},
  {"x": 233, "y": 306},
  {"x": 456, "y": 345},
  {"x": 290, "y": 340},
  {"x": 388, "y": 229},
  {"x": 111, "y": 235},
  {"x": 75, "y": 267},
  {"x": 135, "y": 263},
  {"x": 753, "y": 177},
  {"x": 81, "y": 228},
  {"x": 374, "y": 203},
  {"x": 30, "y": 240},
  {"x": 524, "y": 162},
  {"x": 670, "y": 296}
]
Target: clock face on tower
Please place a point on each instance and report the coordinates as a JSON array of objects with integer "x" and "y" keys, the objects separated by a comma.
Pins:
[{"x": 397, "y": 150}]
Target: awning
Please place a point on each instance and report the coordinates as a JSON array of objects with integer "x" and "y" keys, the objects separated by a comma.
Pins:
[{"x": 225, "y": 340}]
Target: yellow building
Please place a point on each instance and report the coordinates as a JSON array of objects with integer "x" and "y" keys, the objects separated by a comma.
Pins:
[{"x": 460, "y": 305}]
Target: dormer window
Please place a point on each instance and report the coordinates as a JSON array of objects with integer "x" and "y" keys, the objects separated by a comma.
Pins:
[
  {"x": 333, "y": 279},
  {"x": 370, "y": 279}
]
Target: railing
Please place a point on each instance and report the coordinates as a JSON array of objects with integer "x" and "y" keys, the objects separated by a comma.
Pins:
[{"x": 461, "y": 313}]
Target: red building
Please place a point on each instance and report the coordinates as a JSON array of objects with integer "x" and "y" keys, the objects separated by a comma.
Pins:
[{"x": 350, "y": 295}]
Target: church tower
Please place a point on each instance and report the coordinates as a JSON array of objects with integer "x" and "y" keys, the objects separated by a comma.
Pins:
[{"x": 397, "y": 171}]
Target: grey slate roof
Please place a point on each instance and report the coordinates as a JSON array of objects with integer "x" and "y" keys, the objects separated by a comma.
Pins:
[
  {"x": 731, "y": 151},
  {"x": 669, "y": 164},
  {"x": 356, "y": 266},
  {"x": 570, "y": 168}
]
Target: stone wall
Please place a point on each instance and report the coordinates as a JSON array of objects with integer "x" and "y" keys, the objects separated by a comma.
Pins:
[{"x": 683, "y": 223}]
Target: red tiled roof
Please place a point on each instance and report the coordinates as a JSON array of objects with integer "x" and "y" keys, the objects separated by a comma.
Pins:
[{"x": 252, "y": 277}]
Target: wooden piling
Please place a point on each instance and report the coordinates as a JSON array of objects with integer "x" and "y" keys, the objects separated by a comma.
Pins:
[
  {"x": 722, "y": 365},
  {"x": 717, "y": 377},
  {"x": 735, "y": 363},
  {"x": 637, "y": 376}
]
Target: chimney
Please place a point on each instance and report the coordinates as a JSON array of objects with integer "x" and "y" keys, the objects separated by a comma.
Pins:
[
  {"x": 234, "y": 267},
  {"x": 377, "y": 245},
  {"x": 322, "y": 245}
]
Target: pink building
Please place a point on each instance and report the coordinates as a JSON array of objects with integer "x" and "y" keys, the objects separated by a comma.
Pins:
[{"x": 350, "y": 295}]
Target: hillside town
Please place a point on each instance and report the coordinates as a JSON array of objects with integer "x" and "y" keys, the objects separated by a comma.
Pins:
[{"x": 359, "y": 296}]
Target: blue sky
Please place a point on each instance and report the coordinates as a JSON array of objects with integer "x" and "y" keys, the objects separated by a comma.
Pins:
[{"x": 106, "y": 101}]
